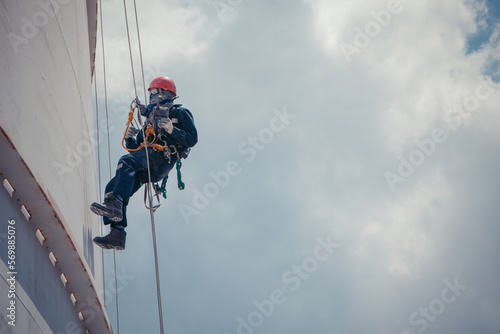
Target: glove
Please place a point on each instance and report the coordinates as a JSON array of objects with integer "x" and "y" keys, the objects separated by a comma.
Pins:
[
  {"x": 131, "y": 132},
  {"x": 142, "y": 108},
  {"x": 167, "y": 125}
]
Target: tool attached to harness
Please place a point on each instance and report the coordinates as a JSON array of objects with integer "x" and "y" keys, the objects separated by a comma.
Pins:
[{"x": 163, "y": 188}]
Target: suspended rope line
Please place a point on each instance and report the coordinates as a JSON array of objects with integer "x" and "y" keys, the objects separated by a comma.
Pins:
[
  {"x": 99, "y": 179},
  {"x": 158, "y": 290},
  {"x": 135, "y": 88},
  {"x": 140, "y": 51},
  {"x": 150, "y": 195},
  {"x": 116, "y": 295},
  {"x": 105, "y": 88},
  {"x": 149, "y": 184},
  {"x": 109, "y": 160},
  {"x": 129, "y": 46}
]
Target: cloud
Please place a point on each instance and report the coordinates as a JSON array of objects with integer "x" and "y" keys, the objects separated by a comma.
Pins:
[{"x": 324, "y": 173}]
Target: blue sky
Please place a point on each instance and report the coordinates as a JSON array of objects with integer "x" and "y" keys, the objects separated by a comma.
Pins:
[
  {"x": 355, "y": 151},
  {"x": 491, "y": 18}
]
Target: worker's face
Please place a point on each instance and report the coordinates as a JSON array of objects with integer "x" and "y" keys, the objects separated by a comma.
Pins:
[{"x": 159, "y": 95}]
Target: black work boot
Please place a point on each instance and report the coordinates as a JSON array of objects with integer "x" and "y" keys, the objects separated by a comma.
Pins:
[
  {"x": 114, "y": 240},
  {"x": 111, "y": 208}
]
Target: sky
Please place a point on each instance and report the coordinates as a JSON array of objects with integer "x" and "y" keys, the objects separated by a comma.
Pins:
[{"x": 345, "y": 179}]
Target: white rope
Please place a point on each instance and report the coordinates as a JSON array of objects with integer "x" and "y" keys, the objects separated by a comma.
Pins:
[
  {"x": 99, "y": 182},
  {"x": 109, "y": 163},
  {"x": 149, "y": 184}
]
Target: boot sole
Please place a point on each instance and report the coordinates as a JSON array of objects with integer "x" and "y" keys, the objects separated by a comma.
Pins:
[
  {"x": 101, "y": 210},
  {"x": 108, "y": 246},
  {"x": 103, "y": 246}
]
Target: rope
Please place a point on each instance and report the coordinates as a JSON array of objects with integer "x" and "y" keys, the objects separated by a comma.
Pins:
[
  {"x": 151, "y": 211},
  {"x": 180, "y": 184},
  {"x": 99, "y": 182},
  {"x": 109, "y": 162},
  {"x": 163, "y": 188},
  {"x": 145, "y": 132},
  {"x": 146, "y": 143},
  {"x": 149, "y": 185},
  {"x": 129, "y": 46},
  {"x": 140, "y": 50},
  {"x": 158, "y": 290},
  {"x": 135, "y": 88}
]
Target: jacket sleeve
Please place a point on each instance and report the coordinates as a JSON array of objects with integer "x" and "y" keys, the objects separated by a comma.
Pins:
[{"x": 184, "y": 131}]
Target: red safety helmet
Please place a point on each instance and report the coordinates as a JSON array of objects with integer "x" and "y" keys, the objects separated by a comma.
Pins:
[{"x": 163, "y": 83}]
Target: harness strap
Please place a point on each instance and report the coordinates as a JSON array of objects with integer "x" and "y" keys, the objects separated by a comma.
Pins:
[
  {"x": 166, "y": 149},
  {"x": 146, "y": 143}
]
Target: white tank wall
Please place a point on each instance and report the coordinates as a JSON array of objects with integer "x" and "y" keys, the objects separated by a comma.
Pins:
[{"x": 46, "y": 105}]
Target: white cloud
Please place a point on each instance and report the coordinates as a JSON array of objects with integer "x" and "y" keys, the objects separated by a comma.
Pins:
[
  {"x": 325, "y": 172},
  {"x": 170, "y": 33}
]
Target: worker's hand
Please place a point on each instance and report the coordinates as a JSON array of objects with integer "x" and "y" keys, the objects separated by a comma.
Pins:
[
  {"x": 142, "y": 108},
  {"x": 167, "y": 125},
  {"x": 131, "y": 132}
]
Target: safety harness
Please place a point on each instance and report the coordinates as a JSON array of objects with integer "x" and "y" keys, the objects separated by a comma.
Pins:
[{"x": 156, "y": 116}]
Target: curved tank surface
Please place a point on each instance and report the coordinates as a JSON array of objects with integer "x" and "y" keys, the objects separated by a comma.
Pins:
[{"x": 50, "y": 271}]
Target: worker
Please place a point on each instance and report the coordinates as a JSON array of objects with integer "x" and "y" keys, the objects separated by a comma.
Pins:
[{"x": 174, "y": 130}]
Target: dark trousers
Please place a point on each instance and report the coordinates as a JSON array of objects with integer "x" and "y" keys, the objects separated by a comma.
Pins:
[{"x": 132, "y": 173}]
